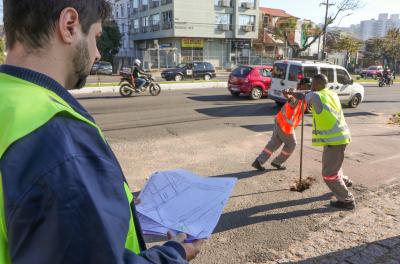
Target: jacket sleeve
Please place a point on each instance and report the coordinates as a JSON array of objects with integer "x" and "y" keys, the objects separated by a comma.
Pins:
[{"x": 75, "y": 210}]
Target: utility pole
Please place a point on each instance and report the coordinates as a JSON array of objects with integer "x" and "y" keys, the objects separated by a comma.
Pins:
[{"x": 325, "y": 26}]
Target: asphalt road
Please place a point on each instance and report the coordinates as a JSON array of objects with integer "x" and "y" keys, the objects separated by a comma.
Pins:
[{"x": 213, "y": 134}]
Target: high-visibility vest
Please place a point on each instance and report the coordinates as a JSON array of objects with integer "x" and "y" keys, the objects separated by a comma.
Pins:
[
  {"x": 25, "y": 107},
  {"x": 289, "y": 118},
  {"x": 329, "y": 127}
]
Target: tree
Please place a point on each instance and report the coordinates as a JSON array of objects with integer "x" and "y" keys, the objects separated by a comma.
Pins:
[
  {"x": 348, "y": 44},
  {"x": 392, "y": 47},
  {"x": 374, "y": 51},
  {"x": 313, "y": 33},
  {"x": 283, "y": 29},
  {"x": 2, "y": 51},
  {"x": 386, "y": 50},
  {"x": 110, "y": 41}
]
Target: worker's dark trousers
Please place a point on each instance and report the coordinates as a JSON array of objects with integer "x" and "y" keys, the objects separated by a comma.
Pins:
[
  {"x": 332, "y": 172},
  {"x": 278, "y": 138}
]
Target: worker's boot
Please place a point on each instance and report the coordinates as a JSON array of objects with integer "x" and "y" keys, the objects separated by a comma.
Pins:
[
  {"x": 344, "y": 205},
  {"x": 257, "y": 165},
  {"x": 278, "y": 166}
]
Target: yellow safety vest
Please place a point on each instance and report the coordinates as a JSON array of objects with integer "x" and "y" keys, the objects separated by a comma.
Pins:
[
  {"x": 25, "y": 107},
  {"x": 329, "y": 127}
]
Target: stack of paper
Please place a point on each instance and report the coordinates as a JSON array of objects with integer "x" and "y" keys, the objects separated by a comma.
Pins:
[{"x": 181, "y": 201}]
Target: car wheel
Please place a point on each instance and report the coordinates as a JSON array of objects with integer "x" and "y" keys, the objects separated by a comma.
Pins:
[
  {"x": 207, "y": 77},
  {"x": 256, "y": 93},
  {"x": 178, "y": 78},
  {"x": 235, "y": 94},
  {"x": 279, "y": 104},
  {"x": 355, "y": 101}
]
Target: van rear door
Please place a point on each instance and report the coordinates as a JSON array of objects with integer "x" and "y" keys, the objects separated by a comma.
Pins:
[{"x": 279, "y": 73}]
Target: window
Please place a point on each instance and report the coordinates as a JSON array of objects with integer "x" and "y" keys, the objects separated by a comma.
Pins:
[
  {"x": 241, "y": 71},
  {"x": 265, "y": 73},
  {"x": 122, "y": 11},
  {"x": 342, "y": 76},
  {"x": 279, "y": 71},
  {"x": 224, "y": 19},
  {"x": 155, "y": 19},
  {"x": 209, "y": 66},
  {"x": 144, "y": 23},
  {"x": 310, "y": 72},
  {"x": 328, "y": 72},
  {"x": 167, "y": 19},
  {"x": 245, "y": 20},
  {"x": 294, "y": 72},
  {"x": 136, "y": 26},
  {"x": 199, "y": 66}
]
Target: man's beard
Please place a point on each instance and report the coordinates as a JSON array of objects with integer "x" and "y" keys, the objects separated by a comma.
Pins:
[{"x": 81, "y": 64}]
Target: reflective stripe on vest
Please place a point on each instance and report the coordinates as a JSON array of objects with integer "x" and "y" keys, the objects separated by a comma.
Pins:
[
  {"x": 289, "y": 118},
  {"x": 329, "y": 126},
  {"x": 20, "y": 116}
]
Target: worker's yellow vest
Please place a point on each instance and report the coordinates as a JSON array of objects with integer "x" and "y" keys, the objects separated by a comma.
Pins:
[
  {"x": 25, "y": 107},
  {"x": 329, "y": 127}
]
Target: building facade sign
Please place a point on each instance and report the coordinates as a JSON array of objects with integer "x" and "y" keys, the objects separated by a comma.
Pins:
[{"x": 192, "y": 43}]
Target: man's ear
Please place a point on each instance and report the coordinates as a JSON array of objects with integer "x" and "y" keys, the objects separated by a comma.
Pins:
[{"x": 68, "y": 25}]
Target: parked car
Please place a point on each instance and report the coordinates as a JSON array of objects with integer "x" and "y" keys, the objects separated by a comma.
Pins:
[
  {"x": 102, "y": 67},
  {"x": 288, "y": 73},
  {"x": 250, "y": 80},
  {"x": 192, "y": 70},
  {"x": 372, "y": 71}
]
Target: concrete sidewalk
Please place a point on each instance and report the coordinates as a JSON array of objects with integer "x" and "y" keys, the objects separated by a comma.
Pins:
[{"x": 165, "y": 87}]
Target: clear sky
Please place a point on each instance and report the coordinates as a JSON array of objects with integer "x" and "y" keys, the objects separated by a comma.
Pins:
[{"x": 310, "y": 9}]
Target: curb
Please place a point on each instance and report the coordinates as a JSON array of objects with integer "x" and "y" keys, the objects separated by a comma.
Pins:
[{"x": 165, "y": 87}]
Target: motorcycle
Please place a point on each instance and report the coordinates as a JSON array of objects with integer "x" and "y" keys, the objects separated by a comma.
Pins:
[
  {"x": 128, "y": 86},
  {"x": 383, "y": 81}
]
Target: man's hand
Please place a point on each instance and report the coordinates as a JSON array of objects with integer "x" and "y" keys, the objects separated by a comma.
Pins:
[{"x": 191, "y": 249}]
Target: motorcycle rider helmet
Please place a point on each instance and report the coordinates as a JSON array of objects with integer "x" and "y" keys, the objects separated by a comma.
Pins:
[{"x": 137, "y": 62}]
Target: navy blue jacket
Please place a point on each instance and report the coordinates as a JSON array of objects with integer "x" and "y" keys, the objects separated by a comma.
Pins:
[{"x": 63, "y": 197}]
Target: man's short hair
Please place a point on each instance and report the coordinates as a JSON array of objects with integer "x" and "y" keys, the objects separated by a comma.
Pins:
[
  {"x": 31, "y": 22},
  {"x": 321, "y": 79}
]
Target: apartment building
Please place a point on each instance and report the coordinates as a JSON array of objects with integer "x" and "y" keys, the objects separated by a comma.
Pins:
[
  {"x": 121, "y": 15},
  {"x": 378, "y": 28},
  {"x": 167, "y": 32}
]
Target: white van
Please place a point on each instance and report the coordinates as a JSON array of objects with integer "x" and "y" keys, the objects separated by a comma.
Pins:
[{"x": 287, "y": 74}]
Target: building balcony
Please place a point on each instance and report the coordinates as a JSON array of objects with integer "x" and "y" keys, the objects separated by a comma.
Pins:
[
  {"x": 167, "y": 25},
  {"x": 247, "y": 5},
  {"x": 247, "y": 28},
  {"x": 154, "y": 4},
  {"x": 166, "y": 2},
  {"x": 145, "y": 29},
  {"x": 136, "y": 31},
  {"x": 224, "y": 27},
  {"x": 134, "y": 11},
  {"x": 224, "y": 3},
  {"x": 154, "y": 28},
  {"x": 144, "y": 7}
]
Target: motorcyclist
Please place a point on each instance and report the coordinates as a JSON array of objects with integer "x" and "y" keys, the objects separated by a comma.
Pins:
[
  {"x": 387, "y": 75},
  {"x": 138, "y": 73}
]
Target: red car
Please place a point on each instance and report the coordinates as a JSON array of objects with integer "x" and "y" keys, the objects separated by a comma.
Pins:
[{"x": 250, "y": 80}]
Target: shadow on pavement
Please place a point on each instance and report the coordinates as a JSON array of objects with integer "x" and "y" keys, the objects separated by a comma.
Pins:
[
  {"x": 246, "y": 217},
  {"x": 381, "y": 101},
  {"x": 240, "y": 110},
  {"x": 219, "y": 97},
  {"x": 359, "y": 114},
  {"x": 244, "y": 174},
  {"x": 260, "y": 128},
  {"x": 100, "y": 97},
  {"x": 382, "y": 251}
]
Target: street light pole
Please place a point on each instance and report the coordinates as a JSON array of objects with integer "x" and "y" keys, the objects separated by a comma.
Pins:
[{"x": 325, "y": 26}]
